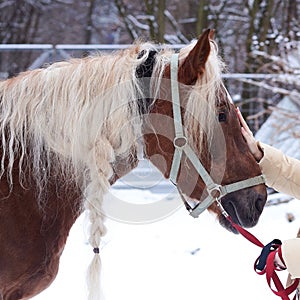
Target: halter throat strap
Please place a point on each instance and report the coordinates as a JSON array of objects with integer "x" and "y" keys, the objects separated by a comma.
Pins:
[{"x": 215, "y": 191}]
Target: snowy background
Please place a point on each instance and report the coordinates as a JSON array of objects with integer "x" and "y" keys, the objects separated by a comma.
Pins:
[{"x": 176, "y": 258}]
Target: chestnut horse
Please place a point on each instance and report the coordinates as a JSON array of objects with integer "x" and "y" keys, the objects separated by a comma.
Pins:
[{"x": 70, "y": 130}]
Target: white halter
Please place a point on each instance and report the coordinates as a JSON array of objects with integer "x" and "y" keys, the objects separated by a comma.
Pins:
[{"x": 215, "y": 191}]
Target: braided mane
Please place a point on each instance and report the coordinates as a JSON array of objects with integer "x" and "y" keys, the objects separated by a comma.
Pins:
[{"x": 78, "y": 116}]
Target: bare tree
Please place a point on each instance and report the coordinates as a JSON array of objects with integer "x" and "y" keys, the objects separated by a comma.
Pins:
[
  {"x": 241, "y": 26},
  {"x": 19, "y": 20},
  {"x": 161, "y": 26},
  {"x": 89, "y": 23},
  {"x": 202, "y": 16}
]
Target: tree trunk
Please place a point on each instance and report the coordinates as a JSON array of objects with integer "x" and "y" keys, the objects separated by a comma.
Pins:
[
  {"x": 89, "y": 23},
  {"x": 251, "y": 32},
  {"x": 201, "y": 23},
  {"x": 265, "y": 25},
  {"x": 123, "y": 13},
  {"x": 250, "y": 63},
  {"x": 150, "y": 12},
  {"x": 292, "y": 16},
  {"x": 161, "y": 21}
]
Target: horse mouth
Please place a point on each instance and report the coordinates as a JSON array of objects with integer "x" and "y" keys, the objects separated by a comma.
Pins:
[{"x": 244, "y": 218}]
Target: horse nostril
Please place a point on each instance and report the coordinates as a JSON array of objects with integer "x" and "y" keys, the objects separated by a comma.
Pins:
[{"x": 260, "y": 203}]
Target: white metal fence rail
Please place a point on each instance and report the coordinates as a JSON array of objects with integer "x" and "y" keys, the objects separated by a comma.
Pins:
[{"x": 252, "y": 91}]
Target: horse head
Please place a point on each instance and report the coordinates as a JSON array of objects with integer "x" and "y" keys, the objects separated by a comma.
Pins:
[
  {"x": 210, "y": 127},
  {"x": 71, "y": 129}
]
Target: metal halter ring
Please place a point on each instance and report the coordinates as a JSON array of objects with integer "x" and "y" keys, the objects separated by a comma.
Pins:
[
  {"x": 215, "y": 191},
  {"x": 180, "y": 142}
]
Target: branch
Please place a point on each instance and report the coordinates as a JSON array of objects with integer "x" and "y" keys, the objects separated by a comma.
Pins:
[
  {"x": 123, "y": 14},
  {"x": 5, "y": 4},
  {"x": 175, "y": 26},
  {"x": 289, "y": 115},
  {"x": 276, "y": 59},
  {"x": 65, "y": 1},
  {"x": 137, "y": 24},
  {"x": 294, "y": 95}
]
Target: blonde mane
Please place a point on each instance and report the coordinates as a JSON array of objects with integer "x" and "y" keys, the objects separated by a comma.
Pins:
[
  {"x": 203, "y": 97},
  {"x": 201, "y": 107},
  {"x": 82, "y": 114}
]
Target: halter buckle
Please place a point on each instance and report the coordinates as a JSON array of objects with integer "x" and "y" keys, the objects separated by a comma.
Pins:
[{"x": 223, "y": 211}]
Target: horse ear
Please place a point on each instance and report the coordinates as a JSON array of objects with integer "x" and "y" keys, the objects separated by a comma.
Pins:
[
  {"x": 211, "y": 34},
  {"x": 194, "y": 64}
]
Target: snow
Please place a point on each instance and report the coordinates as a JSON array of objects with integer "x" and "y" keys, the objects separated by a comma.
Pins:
[
  {"x": 176, "y": 258},
  {"x": 293, "y": 55},
  {"x": 280, "y": 129}
]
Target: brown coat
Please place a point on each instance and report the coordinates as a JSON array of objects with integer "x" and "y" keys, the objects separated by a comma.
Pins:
[{"x": 283, "y": 174}]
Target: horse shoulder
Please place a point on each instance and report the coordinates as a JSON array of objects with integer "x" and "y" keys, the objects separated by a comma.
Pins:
[{"x": 32, "y": 236}]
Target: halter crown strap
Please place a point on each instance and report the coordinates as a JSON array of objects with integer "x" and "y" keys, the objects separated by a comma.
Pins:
[
  {"x": 177, "y": 119},
  {"x": 180, "y": 141},
  {"x": 175, "y": 96},
  {"x": 215, "y": 191}
]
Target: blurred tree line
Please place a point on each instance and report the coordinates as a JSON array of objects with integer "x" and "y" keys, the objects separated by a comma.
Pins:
[
  {"x": 254, "y": 36},
  {"x": 241, "y": 26}
]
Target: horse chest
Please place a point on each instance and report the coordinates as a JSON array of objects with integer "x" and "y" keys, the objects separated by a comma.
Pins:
[{"x": 32, "y": 239}]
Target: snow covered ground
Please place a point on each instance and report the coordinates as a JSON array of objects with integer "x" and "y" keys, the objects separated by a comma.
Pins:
[{"x": 176, "y": 258}]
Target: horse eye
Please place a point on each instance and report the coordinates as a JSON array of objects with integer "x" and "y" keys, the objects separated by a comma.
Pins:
[{"x": 222, "y": 117}]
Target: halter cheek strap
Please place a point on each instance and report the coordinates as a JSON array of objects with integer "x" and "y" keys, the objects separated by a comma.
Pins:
[{"x": 215, "y": 191}]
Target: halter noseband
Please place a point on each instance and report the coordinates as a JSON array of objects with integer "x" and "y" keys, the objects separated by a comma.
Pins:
[{"x": 215, "y": 191}]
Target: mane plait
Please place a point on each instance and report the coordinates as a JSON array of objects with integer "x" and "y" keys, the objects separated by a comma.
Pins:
[
  {"x": 200, "y": 114},
  {"x": 82, "y": 114}
]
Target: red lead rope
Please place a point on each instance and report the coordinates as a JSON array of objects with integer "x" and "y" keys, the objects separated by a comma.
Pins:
[{"x": 269, "y": 267}]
